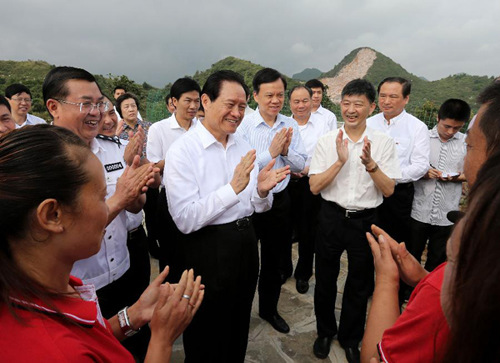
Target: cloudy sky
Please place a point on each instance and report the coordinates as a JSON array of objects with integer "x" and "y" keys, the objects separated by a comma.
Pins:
[{"x": 158, "y": 41}]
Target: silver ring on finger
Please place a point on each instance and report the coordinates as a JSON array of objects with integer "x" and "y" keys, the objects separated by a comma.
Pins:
[{"x": 186, "y": 297}]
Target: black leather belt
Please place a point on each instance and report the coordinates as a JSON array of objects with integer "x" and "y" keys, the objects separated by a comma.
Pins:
[
  {"x": 352, "y": 213},
  {"x": 239, "y": 224}
]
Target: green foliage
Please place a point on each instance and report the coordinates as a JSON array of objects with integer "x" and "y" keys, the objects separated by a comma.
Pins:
[{"x": 307, "y": 74}]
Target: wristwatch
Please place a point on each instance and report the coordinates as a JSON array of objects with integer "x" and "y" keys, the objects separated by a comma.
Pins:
[{"x": 125, "y": 324}]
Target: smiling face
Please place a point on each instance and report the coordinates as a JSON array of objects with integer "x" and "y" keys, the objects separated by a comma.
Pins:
[
  {"x": 390, "y": 99},
  {"x": 85, "y": 125},
  {"x": 109, "y": 121},
  {"x": 187, "y": 105},
  {"x": 270, "y": 99},
  {"x": 224, "y": 114},
  {"x": 6, "y": 122},
  {"x": 300, "y": 103},
  {"x": 355, "y": 109},
  {"x": 20, "y": 106}
]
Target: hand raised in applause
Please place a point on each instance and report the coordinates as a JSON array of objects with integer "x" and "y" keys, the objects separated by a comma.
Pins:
[
  {"x": 410, "y": 270},
  {"x": 135, "y": 145},
  {"x": 241, "y": 175},
  {"x": 342, "y": 149},
  {"x": 288, "y": 141},
  {"x": 268, "y": 178},
  {"x": 134, "y": 181},
  {"x": 385, "y": 267},
  {"x": 366, "y": 154},
  {"x": 278, "y": 142},
  {"x": 119, "y": 128}
]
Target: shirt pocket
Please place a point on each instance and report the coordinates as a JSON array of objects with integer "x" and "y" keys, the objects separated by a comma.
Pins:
[{"x": 403, "y": 146}]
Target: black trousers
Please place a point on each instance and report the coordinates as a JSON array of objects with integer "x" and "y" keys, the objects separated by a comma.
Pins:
[
  {"x": 304, "y": 210},
  {"x": 395, "y": 219},
  {"x": 150, "y": 217},
  {"x": 226, "y": 257},
  {"x": 171, "y": 252},
  {"x": 395, "y": 212},
  {"x": 337, "y": 234},
  {"x": 273, "y": 229},
  {"x": 127, "y": 289},
  {"x": 436, "y": 248}
]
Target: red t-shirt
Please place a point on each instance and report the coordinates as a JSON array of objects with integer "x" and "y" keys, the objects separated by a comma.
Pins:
[
  {"x": 420, "y": 334},
  {"x": 42, "y": 336}
]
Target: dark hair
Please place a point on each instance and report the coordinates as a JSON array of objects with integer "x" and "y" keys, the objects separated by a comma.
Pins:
[
  {"x": 16, "y": 88},
  {"x": 315, "y": 83},
  {"x": 124, "y": 97},
  {"x": 475, "y": 290},
  {"x": 119, "y": 87},
  {"x": 167, "y": 97},
  {"x": 3, "y": 101},
  {"x": 266, "y": 75},
  {"x": 54, "y": 85},
  {"x": 489, "y": 123},
  {"x": 183, "y": 85},
  {"x": 359, "y": 87},
  {"x": 454, "y": 109},
  {"x": 36, "y": 163},
  {"x": 214, "y": 82},
  {"x": 300, "y": 87},
  {"x": 402, "y": 81}
]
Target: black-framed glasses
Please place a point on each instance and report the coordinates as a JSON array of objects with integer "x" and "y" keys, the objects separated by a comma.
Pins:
[{"x": 87, "y": 107}]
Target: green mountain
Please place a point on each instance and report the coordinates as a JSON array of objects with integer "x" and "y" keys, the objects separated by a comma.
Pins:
[
  {"x": 424, "y": 93},
  {"x": 307, "y": 74}
]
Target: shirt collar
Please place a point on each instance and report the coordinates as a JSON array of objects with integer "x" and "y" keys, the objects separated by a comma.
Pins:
[
  {"x": 175, "y": 124},
  {"x": 96, "y": 146},
  {"x": 368, "y": 132},
  {"x": 395, "y": 119},
  {"x": 208, "y": 139},
  {"x": 81, "y": 312},
  {"x": 433, "y": 133},
  {"x": 258, "y": 119}
]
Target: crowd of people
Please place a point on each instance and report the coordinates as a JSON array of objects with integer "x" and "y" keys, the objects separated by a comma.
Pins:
[{"x": 87, "y": 199}]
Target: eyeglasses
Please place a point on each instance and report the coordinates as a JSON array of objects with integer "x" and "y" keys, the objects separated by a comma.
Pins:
[
  {"x": 21, "y": 99},
  {"x": 87, "y": 107}
]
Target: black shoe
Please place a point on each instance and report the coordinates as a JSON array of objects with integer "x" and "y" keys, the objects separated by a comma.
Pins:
[
  {"x": 302, "y": 286},
  {"x": 277, "y": 322},
  {"x": 321, "y": 347},
  {"x": 283, "y": 277},
  {"x": 352, "y": 354}
]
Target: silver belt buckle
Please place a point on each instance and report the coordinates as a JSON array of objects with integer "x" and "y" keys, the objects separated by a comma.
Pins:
[
  {"x": 242, "y": 223},
  {"x": 348, "y": 211}
]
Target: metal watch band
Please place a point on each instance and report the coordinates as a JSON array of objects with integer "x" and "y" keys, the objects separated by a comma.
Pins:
[{"x": 125, "y": 324}]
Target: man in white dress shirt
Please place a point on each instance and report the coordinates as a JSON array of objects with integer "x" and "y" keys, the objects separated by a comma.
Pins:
[
  {"x": 440, "y": 189},
  {"x": 305, "y": 205},
  {"x": 213, "y": 189},
  {"x": 318, "y": 89},
  {"x": 412, "y": 143},
  {"x": 273, "y": 135},
  {"x": 185, "y": 96},
  {"x": 20, "y": 100},
  {"x": 353, "y": 168}
]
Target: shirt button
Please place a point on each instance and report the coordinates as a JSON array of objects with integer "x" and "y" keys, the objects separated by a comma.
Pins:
[
  {"x": 109, "y": 237},
  {"x": 112, "y": 260}
]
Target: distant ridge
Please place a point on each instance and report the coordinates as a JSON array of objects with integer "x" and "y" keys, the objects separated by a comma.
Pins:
[{"x": 307, "y": 74}]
